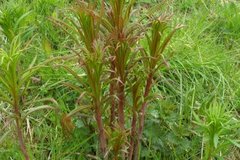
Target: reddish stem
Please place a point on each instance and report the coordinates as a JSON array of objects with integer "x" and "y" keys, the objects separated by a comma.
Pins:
[
  {"x": 121, "y": 120},
  {"x": 121, "y": 97},
  {"x": 142, "y": 115},
  {"x": 102, "y": 136},
  {"x": 19, "y": 131},
  {"x": 133, "y": 135},
  {"x": 144, "y": 105},
  {"x": 113, "y": 103}
]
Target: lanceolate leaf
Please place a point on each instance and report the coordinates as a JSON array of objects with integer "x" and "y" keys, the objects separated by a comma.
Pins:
[
  {"x": 6, "y": 100},
  {"x": 34, "y": 109},
  {"x": 32, "y": 63},
  {"x": 75, "y": 87},
  {"x": 5, "y": 83},
  {"x": 2, "y": 138},
  {"x": 168, "y": 38},
  {"x": 215, "y": 140},
  {"x": 234, "y": 142},
  {"x": 78, "y": 109},
  {"x": 22, "y": 18},
  {"x": 128, "y": 10},
  {"x": 28, "y": 74},
  {"x": 72, "y": 72}
]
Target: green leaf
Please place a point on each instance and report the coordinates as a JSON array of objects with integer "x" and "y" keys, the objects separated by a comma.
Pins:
[
  {"x": 28, "y": 73},
  {"x": 33, "y": 62},
  {"x": 46, "y": 46},
  {"x": 234, "y": 142},
  {"x": 21, "y": 19},
  {"x": 215, "y": 140},
  {"x": 31, "y": 110},
  {"x": 74, "y": 87},
  {"x": 4, "y": 96},
  {"x": 4, "y": 136},
  {"x": 196, "y": 117},
  {"x": 72, "y": 72},
  {"x": 78, "y": 109},
  {"x": 7, "y": 100}
]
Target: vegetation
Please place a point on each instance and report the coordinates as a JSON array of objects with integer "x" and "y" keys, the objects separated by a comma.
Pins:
[{"x": 119, "y": 79}]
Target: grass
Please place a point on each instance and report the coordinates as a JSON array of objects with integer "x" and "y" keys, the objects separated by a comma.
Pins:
[{"x": 194, "y": 107}]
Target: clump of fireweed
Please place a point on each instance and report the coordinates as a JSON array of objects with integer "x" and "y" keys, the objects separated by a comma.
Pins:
[
  {"x": 218, "y": 128},
  {"x": 15, "y": 75},
  {"x": 15, "y": 82},
  {"x": 118, "y": 70}
]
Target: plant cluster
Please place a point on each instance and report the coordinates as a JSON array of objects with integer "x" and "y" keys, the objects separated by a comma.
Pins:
[{"x": 119, "y": 79}]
